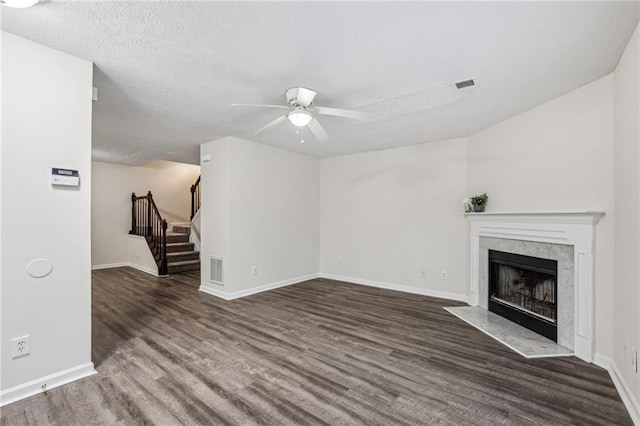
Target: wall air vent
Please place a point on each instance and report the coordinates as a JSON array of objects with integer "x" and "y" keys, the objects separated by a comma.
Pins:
[{"x": 216, "y": 270}]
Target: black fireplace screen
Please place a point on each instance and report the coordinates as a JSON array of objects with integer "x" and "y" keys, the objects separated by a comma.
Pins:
[
  {"x": 523, "y": 289},
  {"x": 530, "y": 290}
]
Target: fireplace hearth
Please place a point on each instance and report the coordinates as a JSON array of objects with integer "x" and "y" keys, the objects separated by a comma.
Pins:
[{"x": 523, "y": 289}]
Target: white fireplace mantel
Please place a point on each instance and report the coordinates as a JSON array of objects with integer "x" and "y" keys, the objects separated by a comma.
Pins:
[{"x": 570, "y": 228}]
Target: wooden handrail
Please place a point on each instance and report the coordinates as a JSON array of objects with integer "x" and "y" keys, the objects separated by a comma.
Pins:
[
  {"x": 195, "y": 197},
  {"x": 147, "y": 222}
]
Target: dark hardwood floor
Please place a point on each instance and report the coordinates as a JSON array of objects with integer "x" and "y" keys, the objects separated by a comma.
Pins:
[{"x": 319, "y": 352}]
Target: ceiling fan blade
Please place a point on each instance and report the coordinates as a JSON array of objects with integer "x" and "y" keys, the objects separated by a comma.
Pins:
[
  {"x": 265, "y": 106},
  {"x": 273, "y": 123},
  {"x": 345, "y": 113},
  {"x": 317, "y": 130}
]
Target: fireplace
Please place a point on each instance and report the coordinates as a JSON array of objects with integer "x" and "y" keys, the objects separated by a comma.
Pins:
[
  {"x": 566, "y": 237},
  {"x": 524, "y": 289}
]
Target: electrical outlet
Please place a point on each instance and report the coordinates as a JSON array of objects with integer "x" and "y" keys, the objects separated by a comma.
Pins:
[
  {"x": 443, "y": 275},
  {"x": 340, "y": 263},
  {"x": 423, "y": 273},
  {"x": 21, "y": 346},
  {"x": 254, "y": 270}
]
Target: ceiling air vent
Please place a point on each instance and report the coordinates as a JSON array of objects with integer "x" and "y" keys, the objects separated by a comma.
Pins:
[
  {"x": 466, "y": 87},
  {"x": 465, "y": 83},
  {"x": 216, "y": 270}
]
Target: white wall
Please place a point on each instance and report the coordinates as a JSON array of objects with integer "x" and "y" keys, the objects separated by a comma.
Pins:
[
  {"x": 113, "y": 184},
  {"x": 261, "y": 209},
  {"x": 274, "y": 214},
  {"x": 626, "y": 299},
  {"x": 110, "y": 213},
  {"x": 389, "y": 214},
  {"x": 556, "y": 157},
  {"x": 215, "y": 208},
  {"x": 46, "y": 122},
  {"x": 139, "y": 255}
]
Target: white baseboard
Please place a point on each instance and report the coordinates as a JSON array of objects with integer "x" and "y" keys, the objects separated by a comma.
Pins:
[
  {"x": 150, "y": 271},
  {"x": 397, "y": 287},
  {"x": 215, "y": 290},
  {"x": 51, "y": 381},
  {"x": 621, "y": 385},
  {"x": 109, "y": 265}
]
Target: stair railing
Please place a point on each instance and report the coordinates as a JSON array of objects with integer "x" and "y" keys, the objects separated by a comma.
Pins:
[
  {"x": 195, "y": 197},
  {"x": 147, "y": 222}
]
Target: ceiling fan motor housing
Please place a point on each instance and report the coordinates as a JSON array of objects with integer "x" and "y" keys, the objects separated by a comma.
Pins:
[{"x": 300, "y": 96}]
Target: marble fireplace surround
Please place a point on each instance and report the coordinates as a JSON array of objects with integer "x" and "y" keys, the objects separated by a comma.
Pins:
[
  {"x": 549, "y": 235},
  {"x": 561, "y": 253}
]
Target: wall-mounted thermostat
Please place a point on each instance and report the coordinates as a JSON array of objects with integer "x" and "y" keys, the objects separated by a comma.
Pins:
[{"x": 65, "y": 177}]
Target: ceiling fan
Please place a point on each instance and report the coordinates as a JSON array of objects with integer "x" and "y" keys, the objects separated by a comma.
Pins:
[{"x": 301, "y": 112}]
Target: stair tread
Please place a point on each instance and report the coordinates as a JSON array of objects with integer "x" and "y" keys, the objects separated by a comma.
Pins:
[
  {"x": 184, "y": 262},
  {"x": 180, "y": 247},
  {"x": 173, "y": 237},
  {"x": 171, "y": 233},
  {"x": 182, "y": 253}
]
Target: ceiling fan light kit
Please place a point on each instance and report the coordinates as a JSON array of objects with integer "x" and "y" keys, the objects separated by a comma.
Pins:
[
  {"x": 299, "y": 118},
  {"x": 301, "y": 114}
]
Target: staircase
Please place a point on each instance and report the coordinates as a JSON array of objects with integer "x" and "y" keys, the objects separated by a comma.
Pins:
[
  {"x": 181, "y": 255},
  {"x": 171, "y": 250}
]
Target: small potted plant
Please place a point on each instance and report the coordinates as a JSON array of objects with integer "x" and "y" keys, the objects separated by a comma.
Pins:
[{"x": 479, "y": 202}]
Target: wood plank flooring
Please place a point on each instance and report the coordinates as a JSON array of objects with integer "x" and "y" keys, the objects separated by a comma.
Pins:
[{"x": 320, "y": 352}]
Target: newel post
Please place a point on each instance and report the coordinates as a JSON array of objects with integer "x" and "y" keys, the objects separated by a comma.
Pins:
[
  {"x": 164, "y": 267},
  {"x": 193, "y": 202},
  {"x": 133, "y": 213}
]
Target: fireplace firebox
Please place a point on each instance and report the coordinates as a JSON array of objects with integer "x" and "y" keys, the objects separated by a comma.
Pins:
[{"x": 523, "y": 289}]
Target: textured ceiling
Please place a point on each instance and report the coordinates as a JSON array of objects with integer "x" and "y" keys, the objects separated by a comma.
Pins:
[{"x": 168, "y": 72}]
